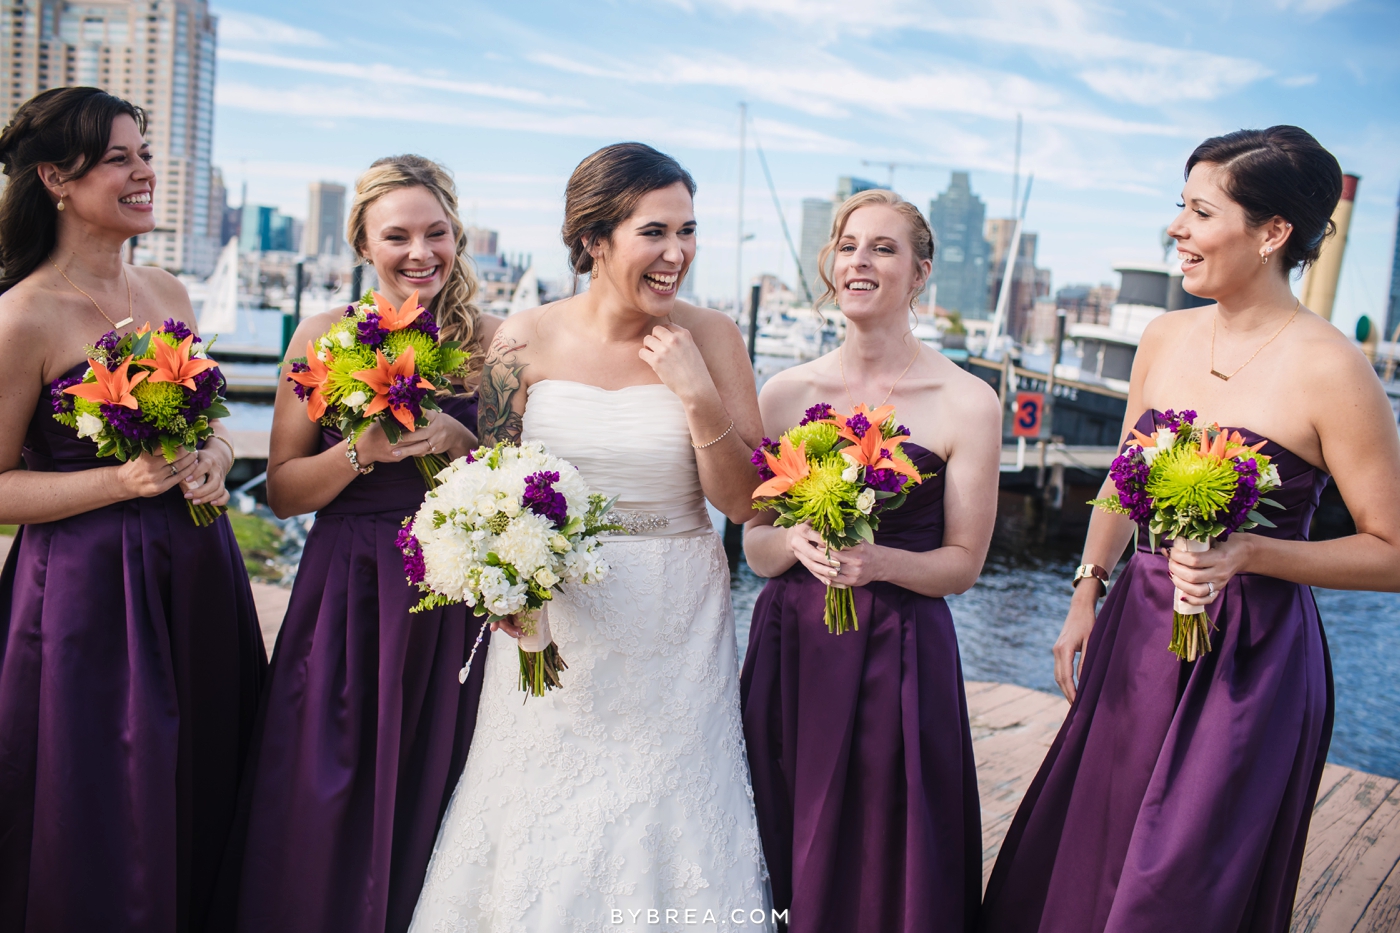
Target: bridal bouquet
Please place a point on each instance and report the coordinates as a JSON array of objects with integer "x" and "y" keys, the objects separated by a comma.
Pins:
[
  {"x": 378, "y": 363},
  {"x": 838, "y": 474},
  {"x": 148, "y": 391},
  {"x": 505, "y": 527},
  {"x": 1194, "y": 484}
]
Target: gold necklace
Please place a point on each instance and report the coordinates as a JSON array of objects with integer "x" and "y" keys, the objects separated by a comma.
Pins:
[
  {"x": 841, "y": 361},
  {"x": 115, "y": 324},
  {"x": 1219, "y": 375}
]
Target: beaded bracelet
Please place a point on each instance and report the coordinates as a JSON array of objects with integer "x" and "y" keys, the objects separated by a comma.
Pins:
[{"x": 716, "y": 440}]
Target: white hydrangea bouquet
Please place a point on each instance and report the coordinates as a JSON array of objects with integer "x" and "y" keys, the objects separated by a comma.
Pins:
[{"x": 504, "y": 528}]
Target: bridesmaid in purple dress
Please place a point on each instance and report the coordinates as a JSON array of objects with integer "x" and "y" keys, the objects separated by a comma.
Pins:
[
  {"x": 859, "y": 743},
  {"x": 364, "y": 729},
  {"x": 1177, "y": 795},
  {"x": 130, "y": 658}
]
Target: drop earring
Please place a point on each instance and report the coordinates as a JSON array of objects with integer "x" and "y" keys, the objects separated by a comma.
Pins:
[{"x": 59, "y": 205}]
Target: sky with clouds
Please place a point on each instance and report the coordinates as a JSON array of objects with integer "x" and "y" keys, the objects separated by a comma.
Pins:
[{"x": 1114, "y": 97}]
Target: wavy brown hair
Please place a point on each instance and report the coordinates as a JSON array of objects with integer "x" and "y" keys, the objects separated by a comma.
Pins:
[
  {"x": 920, "y": 233},
  {"x": 69, "y": 127},
  {"x": 453, "y": 307}
]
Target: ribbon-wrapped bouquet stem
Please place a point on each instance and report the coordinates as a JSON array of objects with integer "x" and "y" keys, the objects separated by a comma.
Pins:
[
  {"x": 838, "y": 474},
  {"x": 505, "y": 528},
  {"x": 147, "y": 391},
  {"x": 379, "y": 364},
  {"x": 1191, "y": 484}
]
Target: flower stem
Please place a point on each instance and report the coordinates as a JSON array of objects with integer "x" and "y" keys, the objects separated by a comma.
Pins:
[
  {"x": 1190, "y": 635},
  {"x": 841, "y": 610},
  {"x": 429, "y": 466},
  {"x": 206, "y": 514},
  {"x": 539, "y": 670}
]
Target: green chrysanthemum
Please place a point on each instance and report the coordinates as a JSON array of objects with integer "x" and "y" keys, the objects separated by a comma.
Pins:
[
  {"x": 1190, "y": 483},
  {"x": 820, "y": 498},
  {"x": 160, "y": 402},
  {"x": 820, "y": 438},
  {"x": 425, "y": 348}
]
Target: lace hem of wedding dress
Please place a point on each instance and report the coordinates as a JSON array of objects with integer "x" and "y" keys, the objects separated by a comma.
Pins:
[{"x": 625, "y": 792}]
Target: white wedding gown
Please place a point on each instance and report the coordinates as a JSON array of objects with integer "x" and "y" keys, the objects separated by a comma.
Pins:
[{"x": 602, "y": 805}]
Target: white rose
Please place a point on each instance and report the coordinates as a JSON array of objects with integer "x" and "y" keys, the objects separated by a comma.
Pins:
[
  {"x": 1149, "y": 454},
  {"x": 850, "y": 474},
  {"x": 356, "y": 399},
  {"x": 345, "y": 339},
  {"x": 559, "y": 544},
  {"x": 545, "y": 577},
  {"x": 322, "y": 355},
  {"x": 324, "y": 343},
  {"x": 865, "y": 501},
  {"x": 1271, "y": 478},
  {"x": 89, "y": 425},
  {"x": 1165, "y": 438},
  {"x": 511, "y": 507}
]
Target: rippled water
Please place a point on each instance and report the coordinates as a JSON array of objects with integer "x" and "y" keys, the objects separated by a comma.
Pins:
[{"x": 1007, "y": 623}]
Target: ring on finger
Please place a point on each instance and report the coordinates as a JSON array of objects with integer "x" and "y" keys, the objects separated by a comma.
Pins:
[
  {"x": 1211, "y": 587},
  {"x": 173, "y": 471}
]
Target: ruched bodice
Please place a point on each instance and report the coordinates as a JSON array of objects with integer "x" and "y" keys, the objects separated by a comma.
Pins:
[
  {"x": 392, "y": 487},
  {"x": 917, "y": 525},
  {"x": 1299, "y": 495},
  {"x": 633, "y": 443}
]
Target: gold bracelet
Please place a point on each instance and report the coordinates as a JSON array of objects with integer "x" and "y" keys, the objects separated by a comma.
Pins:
[
  {"x": 233, "y": 456},
  {"x": 716, "y": 440}
]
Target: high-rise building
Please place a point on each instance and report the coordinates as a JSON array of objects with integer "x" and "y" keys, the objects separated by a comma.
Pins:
[
  {"x": 325, "y": 220},
  {"x": 960, "y": 262},
  {"x": 1027, "y": 282},
  {"x": 848, "y": 185},
  {"x": 266, "y": 229},
  {"x": 481, "y": 242},
  {"x": 1392, "y": 316},
  {"x": 816, "y": 229},
  {"x": 158, "y": 54}
]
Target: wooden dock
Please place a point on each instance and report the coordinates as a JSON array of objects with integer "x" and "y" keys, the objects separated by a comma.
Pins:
[{"x": 1351, "y": 867}]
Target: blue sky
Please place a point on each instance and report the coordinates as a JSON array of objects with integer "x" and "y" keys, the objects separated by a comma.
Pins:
[{"x": 512, "y": 95}]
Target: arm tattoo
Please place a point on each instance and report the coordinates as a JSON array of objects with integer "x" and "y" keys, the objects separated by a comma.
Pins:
[{"x": 497, "y": 419}]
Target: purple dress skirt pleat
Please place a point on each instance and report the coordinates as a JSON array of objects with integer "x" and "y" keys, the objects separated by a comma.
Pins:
[
  {"x": 130, "y": 667},
  {"x": 860, "y": 750},
  {"x": 1177, "y": 796},
  {"x": 363, "y": 730}
]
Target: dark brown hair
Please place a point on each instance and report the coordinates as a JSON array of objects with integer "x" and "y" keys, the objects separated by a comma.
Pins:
[
  {"x": 1279, "y": 172},
  {"x": 69, "y": 127},
  {"x": 453, "y": 308},
  {"x": 604, "y": 190}
]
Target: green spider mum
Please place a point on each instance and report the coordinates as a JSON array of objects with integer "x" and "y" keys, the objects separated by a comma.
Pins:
[
  {"x": 820, "y": 438},
  {"x": 821, "y": 498},
  {"x": 160, "y": 402},
  {"x": 1190, "y": 483},
  {"x": 425, "y": 348}
]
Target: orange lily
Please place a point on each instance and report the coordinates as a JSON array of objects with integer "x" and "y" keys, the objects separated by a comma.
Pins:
[
  {"x": 1236, "y": 445},
  {"x": 876, "y": 418},
  {"x": 112, "y": 387},
  {"x": 392, "y": 319},
  {"x": 789, "y": 468},
  {"x": 869, "y": 451},
  {"x": 173, "y": 364},
  {"x": 1144, "y": 440},
  {"x": 381, "y": 378},
  {"x": 143, "y": 330},
  {"x": 314, "y": 379}
]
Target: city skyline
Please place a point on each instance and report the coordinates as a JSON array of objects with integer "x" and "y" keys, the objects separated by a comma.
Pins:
[{"x": 1113, "y": 102}]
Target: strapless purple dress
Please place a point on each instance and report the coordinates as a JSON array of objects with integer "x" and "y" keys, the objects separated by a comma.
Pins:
[
  {"x": 364, "y": 728},
  {"x": 130, "y": 666},
  {"x": 859, "y": 747},
  {"x": 1177, "y": 796}
]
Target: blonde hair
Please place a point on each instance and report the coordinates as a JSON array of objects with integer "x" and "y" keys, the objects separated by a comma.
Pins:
[
  {"x": 920, "y": 233},
  {"x": 457, "y": 316}
]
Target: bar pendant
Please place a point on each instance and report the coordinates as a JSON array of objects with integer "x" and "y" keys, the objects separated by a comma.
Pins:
[{"x": 126, "y": 320}]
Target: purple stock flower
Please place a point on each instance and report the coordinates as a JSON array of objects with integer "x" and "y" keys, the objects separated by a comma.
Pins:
[
  {"x": 413, "y": 566},
  {"x": 768, "y": 444},
  {"x": 207, "y": 386},
  {"x": 177, "y": 329},
  {"x": 1129, "y": 475},
  {"x": 128, "y": 423},
  {"x": 1172, "y": 420},
  {"x": 885, "y": 480},
  {"x": 858, "y": 424},
  {"x": 900, "y": 431},
  {"x": 424, "y": 323},
  {"x": 1246, "y": 496},
  {"x": 349, "y": 311},
  {"x": 62, "y": 403},
  {"x": 544, "y": 500},
  {"x": 818, "y": 412},
  {"x": 107, "y": 346},
  {"x": 371, "y": 334},
  {"x": 406, "y": 393},
  {"x": 302, "y": 391}
]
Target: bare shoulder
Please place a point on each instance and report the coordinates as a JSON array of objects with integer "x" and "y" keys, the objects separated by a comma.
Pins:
[
  {"x": 789, "y": 393},
  {"x": 1327, "y": 359},
  {"x": 308, "y": 330},
  {"x": 19, "y": 311},
  {"x": 704, "y": 322},
  {"x": 487, "y": 325},
  {"x": 170, "y": 294},
  {"x": 1166, "y": 328}
]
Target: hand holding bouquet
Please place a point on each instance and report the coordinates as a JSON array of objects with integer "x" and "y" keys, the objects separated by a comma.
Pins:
[
  {"x": 1191, "y": 483},
  {"x": 145, "y": 392},
  {"x": 505, "y": 527},
  {"x": 837, "y": 474},
  {"x": 379, "y": 364}
]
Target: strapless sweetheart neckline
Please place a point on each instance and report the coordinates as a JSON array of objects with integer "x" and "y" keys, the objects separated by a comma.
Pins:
[
  {"x": 1248, "y": 433},
  {"x": 589, "y": 385}
]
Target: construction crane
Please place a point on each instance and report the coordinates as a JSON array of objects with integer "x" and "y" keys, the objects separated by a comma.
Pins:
[{"x": 891, "y": 166}]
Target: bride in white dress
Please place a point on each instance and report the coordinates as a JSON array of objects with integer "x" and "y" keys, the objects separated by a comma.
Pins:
[{"x": 622, "y": 800}]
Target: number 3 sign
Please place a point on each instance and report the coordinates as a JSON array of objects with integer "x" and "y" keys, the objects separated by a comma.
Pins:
[{"x": 1030, "y": 409}]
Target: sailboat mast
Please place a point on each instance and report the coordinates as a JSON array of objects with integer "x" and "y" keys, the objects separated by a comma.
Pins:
[{"x": 739, "y": 234}]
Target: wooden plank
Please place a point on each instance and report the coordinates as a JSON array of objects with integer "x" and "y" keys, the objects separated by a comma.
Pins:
[
  {"x": 1341, "y": 889},
  {"x": 271, "y": 604},
  {"x": 1383, "y": 913},
  {"x": 1337, "y": 817}
]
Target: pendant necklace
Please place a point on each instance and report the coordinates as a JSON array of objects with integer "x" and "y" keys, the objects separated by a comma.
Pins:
[
  {"x": 117, "y": 325},
  {"x": 841, "y": 361}
]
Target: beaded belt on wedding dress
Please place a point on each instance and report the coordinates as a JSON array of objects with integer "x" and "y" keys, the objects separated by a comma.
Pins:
[{"x": 637, "y": 521}]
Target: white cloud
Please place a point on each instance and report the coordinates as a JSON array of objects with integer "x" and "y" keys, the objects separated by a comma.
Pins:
[
  {"x": 381, "y": 74},
  {"x": 1314, "y": 7},
  {"x": 1298, "y": 80},
  {"x": 235, "y": 26}
]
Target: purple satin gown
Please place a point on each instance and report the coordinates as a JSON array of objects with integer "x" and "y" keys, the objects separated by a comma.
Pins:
[
  {"x": 364, "y": 729},
  {"x": 130, "y": 666},
  {"x": 1177, "y": 796},
  {"x": 860, "y": 750}
]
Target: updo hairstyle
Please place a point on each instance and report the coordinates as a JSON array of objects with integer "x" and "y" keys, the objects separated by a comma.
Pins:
[{"x": 920, "y": 234}]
